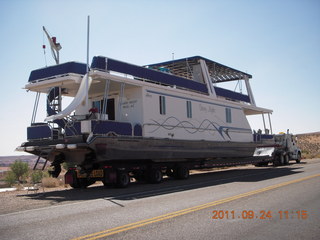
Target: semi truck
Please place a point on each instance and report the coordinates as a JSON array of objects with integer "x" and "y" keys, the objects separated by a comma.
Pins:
[{"x": 282, "y": 149}]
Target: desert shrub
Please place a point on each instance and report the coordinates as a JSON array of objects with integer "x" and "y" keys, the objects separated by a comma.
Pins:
[
  {"x": 10, "y": 178},
  {"x": 20, "y": 169},
  {"x": 36, "y": 176},
  {"x": 67, "y": 165}
]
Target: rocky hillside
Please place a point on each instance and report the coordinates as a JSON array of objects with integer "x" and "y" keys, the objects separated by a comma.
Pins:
[{"x": 309, "y": 143}]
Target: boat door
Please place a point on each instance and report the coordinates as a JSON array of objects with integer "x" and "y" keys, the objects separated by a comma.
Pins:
[{"x": 111, "y": 109}]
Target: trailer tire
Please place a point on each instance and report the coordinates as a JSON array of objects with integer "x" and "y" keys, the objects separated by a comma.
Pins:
[
  {"x": 139, "y": 176},
  {"x": 85, "y": 182},
  {"x": 123, "y": 179},
  {"x": 182, "y": 172},
  {"x": 170, "y": 172},
  {"x": 155, "y": 176}
]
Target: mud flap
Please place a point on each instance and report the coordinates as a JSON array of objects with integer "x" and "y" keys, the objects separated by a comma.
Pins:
[
  {"x": 69, "y": 177},
  {"x": 110, "y": 176}
]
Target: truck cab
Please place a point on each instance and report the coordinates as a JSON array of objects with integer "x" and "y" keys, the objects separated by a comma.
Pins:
[{"x": 288, "y": 147}]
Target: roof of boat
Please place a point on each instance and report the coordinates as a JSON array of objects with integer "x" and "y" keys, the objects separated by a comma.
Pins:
[{"x": 183, "y": 68}]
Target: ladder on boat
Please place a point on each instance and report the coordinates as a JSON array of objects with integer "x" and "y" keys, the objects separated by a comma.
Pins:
[
  {"x": 54, "y": 105},
  {"x": 41, "y": 155}
]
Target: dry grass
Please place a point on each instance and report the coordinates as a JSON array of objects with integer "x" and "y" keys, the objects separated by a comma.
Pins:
[{"x": 49, "y": 182}]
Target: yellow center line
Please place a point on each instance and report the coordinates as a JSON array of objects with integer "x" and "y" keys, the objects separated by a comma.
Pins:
[{"x": 163, "y": 217}]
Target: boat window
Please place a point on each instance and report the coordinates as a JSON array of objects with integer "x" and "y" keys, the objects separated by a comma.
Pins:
[
  {"x": 228, "y": 115},
  {"x": 97, "y": 105},
  {"x": 162, "y": 101},
  {"x": 189, "y": 109}
]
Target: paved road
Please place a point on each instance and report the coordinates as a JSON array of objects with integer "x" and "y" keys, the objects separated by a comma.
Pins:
[{"x": 248, "y": 203}]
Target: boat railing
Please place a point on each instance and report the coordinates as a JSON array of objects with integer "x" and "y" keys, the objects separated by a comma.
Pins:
[
  {"x": 262, "y": 138},
  {"x": 103, "y": 127},
  {"x": 45, "y": 131}
]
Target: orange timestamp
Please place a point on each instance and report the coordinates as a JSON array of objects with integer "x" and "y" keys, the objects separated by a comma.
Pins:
[{"x": 262, "y": 214}]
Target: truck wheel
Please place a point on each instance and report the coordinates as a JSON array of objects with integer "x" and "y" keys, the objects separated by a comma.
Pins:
[
  {"x": 298, "y": 160},
  {"x": 279, "y": 160},
  {"x": 286, "y": 159},
  {"x": 155, "y": 176},
  {"x": 181, "y": 172},
  {"x": 123, "y": 179},
  {"x": 75, "y": 184}
]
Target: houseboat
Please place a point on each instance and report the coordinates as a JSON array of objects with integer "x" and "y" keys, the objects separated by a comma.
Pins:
[{"x": 174, "y": 115}]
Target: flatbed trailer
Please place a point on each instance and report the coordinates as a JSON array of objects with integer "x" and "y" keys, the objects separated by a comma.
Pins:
[{"x": 119, "y": 173}]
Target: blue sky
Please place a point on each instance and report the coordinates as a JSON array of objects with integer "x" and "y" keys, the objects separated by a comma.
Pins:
[{"x": 278, "y": 42}]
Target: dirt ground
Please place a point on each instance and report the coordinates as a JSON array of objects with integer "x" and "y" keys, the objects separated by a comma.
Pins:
[{"x": 19, "y": 200}]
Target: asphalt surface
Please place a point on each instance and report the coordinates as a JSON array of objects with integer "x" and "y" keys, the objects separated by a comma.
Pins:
[{"x": 243, "y": 203}]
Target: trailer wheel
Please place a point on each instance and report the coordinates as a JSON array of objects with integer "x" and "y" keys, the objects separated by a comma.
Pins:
[
  {"x": 123, "y": 179},
  {"x": 155, "y": 176},
  {"x": 181, "y": 172},
  {"x": 85, "y": 182},
  {"x": 170, "y": 172},
  {"x": 139, "y": 175}
]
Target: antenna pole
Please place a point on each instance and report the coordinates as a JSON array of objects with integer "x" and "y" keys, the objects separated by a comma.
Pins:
[
  {"x": 87, "y": 79},
  {"x": 88, "y": 32}
]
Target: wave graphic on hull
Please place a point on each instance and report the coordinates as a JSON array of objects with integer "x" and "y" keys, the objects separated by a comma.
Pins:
[{"x": 205, "y": 125}]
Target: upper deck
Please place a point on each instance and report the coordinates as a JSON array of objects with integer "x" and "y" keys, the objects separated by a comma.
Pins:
[
  {"x": 184, "y": 68},
  {"x": 183, "y": 74}
]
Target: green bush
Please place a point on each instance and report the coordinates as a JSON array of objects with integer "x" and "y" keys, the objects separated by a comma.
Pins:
[
  {"x": 36, "y": 176},
  {"x": 20, "y": 169},
  {"x": 67, "y": 165},
  {"x": 10, "y": 178}
]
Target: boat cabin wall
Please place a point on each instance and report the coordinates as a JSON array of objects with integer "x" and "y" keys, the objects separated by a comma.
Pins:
[
  {"x": 127, "y": 108},
  {"x": 131, "y": 106},
  {"x": 168, "y": 114}
]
